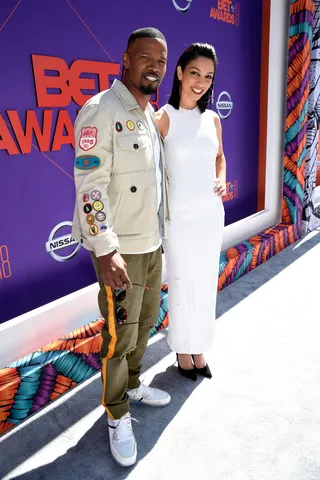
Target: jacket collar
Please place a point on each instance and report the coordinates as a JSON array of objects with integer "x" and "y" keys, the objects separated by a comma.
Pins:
[{"x": 127, "y": 99}]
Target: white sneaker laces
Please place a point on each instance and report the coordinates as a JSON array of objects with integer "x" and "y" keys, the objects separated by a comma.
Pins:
[
  {"x": 145, "y": 391},
  {"x": 123, "y": 430},
  {"x": 141, "y": 392}
]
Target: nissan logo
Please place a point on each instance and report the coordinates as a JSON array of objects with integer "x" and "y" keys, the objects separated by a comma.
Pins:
[
  {"x": 182, "y": 9},
  {"x": 56, "y": 243},
  {"x": 224, "y": 105}
]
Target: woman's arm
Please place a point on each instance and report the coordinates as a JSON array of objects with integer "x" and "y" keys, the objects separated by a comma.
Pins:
[
  {"x": 163, "y": 122},
  {"x": 221, "y": 166}
]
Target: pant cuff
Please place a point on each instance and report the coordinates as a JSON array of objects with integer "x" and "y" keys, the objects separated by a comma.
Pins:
[
  {"x": 117, "y": 411},
  {"x": 134, "y": 382}
]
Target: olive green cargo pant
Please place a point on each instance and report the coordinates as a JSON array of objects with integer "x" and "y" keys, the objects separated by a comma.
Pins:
[{"x": 124, "y": 345}]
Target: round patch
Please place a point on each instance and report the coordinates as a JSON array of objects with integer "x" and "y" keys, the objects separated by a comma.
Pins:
[
  {"x": 119, "y": 127},
  {"x": 98, "y": 206},
  {"x": 93, "y": 230},
  {"x": 103, "y": 227},
  {"x": 90, "y": 219},
  {"x": 140, "y": 125},
  {"x": 101, "y": 216},
  {"x": 86, "y": 197},
  {"x": 130, "y": 125},
  {"x": 95, "y": 195},
  {"x": 87, "y": 208}
]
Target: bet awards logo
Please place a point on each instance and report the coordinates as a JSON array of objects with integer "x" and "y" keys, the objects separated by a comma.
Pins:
[
  {"x": 224, "y": 105},
  {"x": 232, "y": 191},
  {"x": 226, "y": 11},
  {"x": 56, "y": 243},
  {"x": 186, "y": 5}
]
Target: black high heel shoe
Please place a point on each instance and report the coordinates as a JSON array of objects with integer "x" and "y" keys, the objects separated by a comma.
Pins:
[
  {"x": 191, "y": 374},
  {"x": 204, "y": 371}
]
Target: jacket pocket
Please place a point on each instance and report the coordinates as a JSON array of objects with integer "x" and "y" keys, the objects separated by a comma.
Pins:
[
  {"x": 132, "y": 152},
  {"x": 133, "y": 142},
  {"x": 133, "y": 203},
  {"x": 137, "y": 214}
]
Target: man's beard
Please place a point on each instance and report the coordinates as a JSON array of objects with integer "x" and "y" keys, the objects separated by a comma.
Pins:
[{"x": 148, "y": 89}]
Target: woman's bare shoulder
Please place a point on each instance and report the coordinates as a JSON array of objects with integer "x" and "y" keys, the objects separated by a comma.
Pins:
[
  {"x": 214, "y": 115},
  {"x": 215, "y": 118},
  {"x": 163, "y": 122}
]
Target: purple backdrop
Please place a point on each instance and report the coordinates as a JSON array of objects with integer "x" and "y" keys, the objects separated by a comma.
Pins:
[{"x": 37, "y": 189}]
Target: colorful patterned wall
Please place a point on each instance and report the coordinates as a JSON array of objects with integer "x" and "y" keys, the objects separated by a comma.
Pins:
[
  {"x": 37, "y": 379},
  {"x": 311, "y": 215},
  {"x": 243, "y": 258},
  {"x": 33, "y": 381}
]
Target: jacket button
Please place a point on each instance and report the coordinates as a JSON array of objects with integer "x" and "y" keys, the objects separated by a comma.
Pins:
[
  {"x": 133, "y": 189},
  {"x": 135, "y": 146}
]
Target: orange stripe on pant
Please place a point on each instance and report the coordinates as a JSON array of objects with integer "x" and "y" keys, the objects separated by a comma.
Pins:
[{"x": 112, "y": 344}]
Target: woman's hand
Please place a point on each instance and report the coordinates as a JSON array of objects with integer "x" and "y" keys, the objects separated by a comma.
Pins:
[{"x": 220, "y": 188}]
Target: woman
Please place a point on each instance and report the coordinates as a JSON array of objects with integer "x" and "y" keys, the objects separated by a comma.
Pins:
[{"x": 197, "y": 181}]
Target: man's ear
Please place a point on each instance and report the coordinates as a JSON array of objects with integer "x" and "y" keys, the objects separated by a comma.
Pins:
[{"x": 125, "y": 60}]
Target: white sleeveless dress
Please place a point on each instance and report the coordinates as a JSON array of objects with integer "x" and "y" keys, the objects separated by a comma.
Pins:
[{"x": 195, "y": 231}]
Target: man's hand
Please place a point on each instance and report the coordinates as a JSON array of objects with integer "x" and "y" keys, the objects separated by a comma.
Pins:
[
  {"x": 113, "y": 271},
  {"x": 220, "y": 188}
]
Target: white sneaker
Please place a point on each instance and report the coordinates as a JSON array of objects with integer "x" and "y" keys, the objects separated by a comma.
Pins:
[
  {"x": 122, "y": 442},
  {"x": 149, "y": 396}
]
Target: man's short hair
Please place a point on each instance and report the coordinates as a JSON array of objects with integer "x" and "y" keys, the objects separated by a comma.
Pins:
[{"x": 147, "y": 32}]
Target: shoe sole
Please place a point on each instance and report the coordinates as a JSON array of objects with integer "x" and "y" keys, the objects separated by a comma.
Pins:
[{"x": 141, "y": 402}]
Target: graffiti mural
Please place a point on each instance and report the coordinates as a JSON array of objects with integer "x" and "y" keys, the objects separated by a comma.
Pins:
[
  {"x": 241, "y": 259},
  {"x": 311, "y": 216},
  {"x": 39, "y": 378}
]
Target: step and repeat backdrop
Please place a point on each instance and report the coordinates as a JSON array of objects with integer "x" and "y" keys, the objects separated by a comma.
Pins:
[{"x": 56, "y": 55}]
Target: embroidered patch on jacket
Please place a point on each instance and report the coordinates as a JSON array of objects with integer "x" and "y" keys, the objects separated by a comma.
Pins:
[
  {"x": 95, "y": 195},
  {"x": 119, "y": 127},
  {"x": 87, "y": 162},
  {"x": 140, "y": 125},
  {"x": 101, "y": 216},
  {"x": 90, "y": 219},
  {"x": 98, "y": 206},
  {"x": 87, "y": 208},
  {"x": 103, "y": 227},
  {"x": 88, "y": 138},
  {"x": 130, "y": 125},
  {"x": 93, "y": 230}
]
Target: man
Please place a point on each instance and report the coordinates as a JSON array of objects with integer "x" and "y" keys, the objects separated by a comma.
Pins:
[{"x": 120, "y": 215}]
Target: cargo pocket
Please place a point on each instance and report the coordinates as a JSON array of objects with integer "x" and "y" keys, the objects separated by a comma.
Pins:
[
  {"x": 137, "y": 212},
  {"x": 133, "y": 199},
  {"x": 133, "y": 143}
]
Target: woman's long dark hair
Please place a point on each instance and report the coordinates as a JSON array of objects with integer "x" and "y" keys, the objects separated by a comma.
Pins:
[{"x": 195, "y": 50}]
